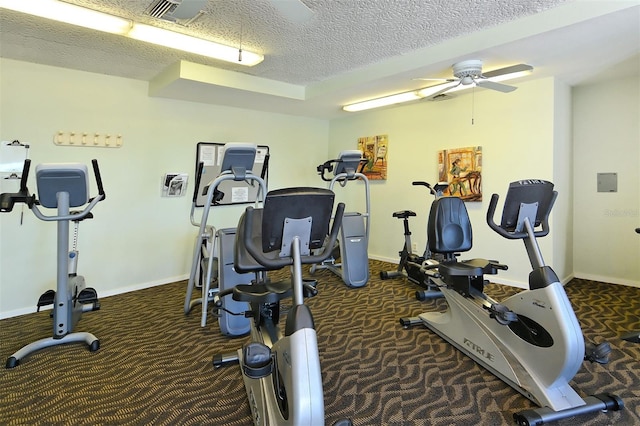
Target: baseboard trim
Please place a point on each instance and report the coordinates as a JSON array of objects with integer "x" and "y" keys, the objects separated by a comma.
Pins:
[
  {"x": 608, "y": 280},
  {"x": 101, "y": 294}
]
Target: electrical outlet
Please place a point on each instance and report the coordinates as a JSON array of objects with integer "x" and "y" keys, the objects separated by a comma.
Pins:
[{"x": 414, "y": 247}]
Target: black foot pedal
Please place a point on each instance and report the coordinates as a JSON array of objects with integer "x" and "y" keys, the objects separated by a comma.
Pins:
[
  {"x": 502, "y": 314},
  {"x": 599, "y": 354},
  {"x": 256, "y": 360},
  {"x": 46, "y": 299},
  {"x": 633, "y": 337},
  {"x": 88, "y": 295}
]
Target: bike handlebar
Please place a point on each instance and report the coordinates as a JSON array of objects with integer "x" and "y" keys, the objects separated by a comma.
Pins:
[
  {"x": 512, "y": 235},
  {"x": 96, "y": 173},
  {"x": 197, "y": 184}
]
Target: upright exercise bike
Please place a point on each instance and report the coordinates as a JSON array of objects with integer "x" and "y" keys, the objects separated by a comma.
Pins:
[
  {"x": 532, "y": 340},
  {"x": 281, "y": 368},
  {"x": 61, "y": 186},
  {"x": 411, "y": 265},
  {"x": 353, "y": 240}
]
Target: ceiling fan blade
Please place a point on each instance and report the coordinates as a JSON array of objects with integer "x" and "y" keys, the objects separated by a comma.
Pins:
[
  {"x": 441, "y": 91},
  {"x": 293, "y": 10},
  {"x": 446, "y": 80},
  {"x": 488, "y": 84},
  {"x": 508, "y": 70}
]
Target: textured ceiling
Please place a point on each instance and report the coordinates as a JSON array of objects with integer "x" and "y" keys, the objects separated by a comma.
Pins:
[{"x": 348, "y": 50}]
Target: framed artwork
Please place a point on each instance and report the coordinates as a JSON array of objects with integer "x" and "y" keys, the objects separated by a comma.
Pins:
[
  {"x": 462, "y": 169},
  {"x": 375, "y": 150}
]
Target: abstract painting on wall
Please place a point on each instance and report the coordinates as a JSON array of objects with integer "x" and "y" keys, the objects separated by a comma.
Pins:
[{"x": 462, "y": 169}]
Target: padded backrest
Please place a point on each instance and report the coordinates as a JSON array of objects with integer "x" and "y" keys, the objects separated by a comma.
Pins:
[
  {"x": 71, "y": 178},
  {"x": 268, "y": 223},
  {"x": 449, "y": 227},
  {"x": 296, "y": 203}
]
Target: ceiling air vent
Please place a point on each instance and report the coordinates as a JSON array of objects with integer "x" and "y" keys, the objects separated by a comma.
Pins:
[{"x": 172, "y": 10}]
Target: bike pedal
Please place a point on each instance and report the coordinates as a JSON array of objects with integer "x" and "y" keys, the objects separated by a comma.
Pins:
[
  {"x": 47, "y": 298},
  {"x": 88, "y": 295},
  {"x": 257, "y": 361}
]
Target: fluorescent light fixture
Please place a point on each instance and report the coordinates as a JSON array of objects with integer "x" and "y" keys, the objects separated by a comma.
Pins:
[
  {"x": 80, "y": 16},
  {"x": 379, "y": 102},
  {"x": 424, "y": 93},
  {"x": 69, "y": 13},
  {"x": 195, "y": 45}
]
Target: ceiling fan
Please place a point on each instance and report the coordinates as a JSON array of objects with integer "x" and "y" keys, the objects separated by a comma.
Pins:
[{"x": 470, "y": 73}]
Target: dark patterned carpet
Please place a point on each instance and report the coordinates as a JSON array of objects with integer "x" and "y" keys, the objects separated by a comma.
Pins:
[{"x": 154, "y": 365}]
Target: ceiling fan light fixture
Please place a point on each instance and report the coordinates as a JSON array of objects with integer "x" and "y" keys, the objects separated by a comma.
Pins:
[{"x": 92, "y": 19}]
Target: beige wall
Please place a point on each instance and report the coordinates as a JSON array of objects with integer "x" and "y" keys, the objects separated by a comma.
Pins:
[{"x": 607, "y": 140}]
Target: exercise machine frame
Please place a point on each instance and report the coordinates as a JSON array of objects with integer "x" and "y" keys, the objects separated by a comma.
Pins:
[
  {"x": 213, "y": 251},
  {"x": 353, "y": 239},
  {"x": 411, "y": 266},
  {"x": 532, "y": 340},
  {"x": 632, "y": 336},
  {"x": 281, "y": 368},
  {"x": 61, "y": 186}
]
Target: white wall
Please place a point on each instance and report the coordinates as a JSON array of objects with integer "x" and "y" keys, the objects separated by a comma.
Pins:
[
  {"x": 137, "y": 238},
  {"x": 607, "y": 139},
  {"x": 517, "y": 135}
]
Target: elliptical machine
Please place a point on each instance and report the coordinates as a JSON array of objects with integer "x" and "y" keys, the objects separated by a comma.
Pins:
[
  {"x": 532, "y": 340},
  {"x": 281, "y": 368},
  {"x": 411, "y": 265},
  {"x": 61, "y": 186},
  {"x": 213, "y": 253},
  {"x": 353, "y": 240}
]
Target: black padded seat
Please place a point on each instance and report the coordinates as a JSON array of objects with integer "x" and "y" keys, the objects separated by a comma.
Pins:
[
  {"x": 403, "y": 214},
  {"x": 449, "y": 232},
  {"x": 467, "y": 268},
  {"x": 262, "y": 292}
]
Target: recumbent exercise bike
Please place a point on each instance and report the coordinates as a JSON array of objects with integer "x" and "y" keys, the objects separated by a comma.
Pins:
[
  {"x": 531, "y": 340},
  {"x": 61, "y": 186},
  {"x": 281, "y": 368}
]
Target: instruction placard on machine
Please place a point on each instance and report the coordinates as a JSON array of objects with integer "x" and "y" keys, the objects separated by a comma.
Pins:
[{"x": 211, "y": 154}]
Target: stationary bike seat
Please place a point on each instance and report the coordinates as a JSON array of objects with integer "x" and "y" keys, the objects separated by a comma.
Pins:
[
  {"x": 404, "y": 214},
  {"x": 262, "y": 292},
  {"x": 467, "y": 268}
]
